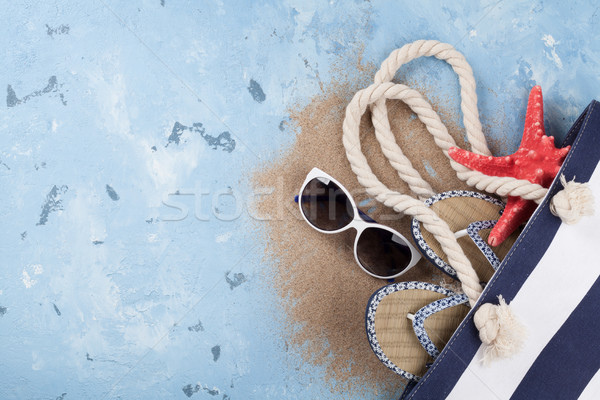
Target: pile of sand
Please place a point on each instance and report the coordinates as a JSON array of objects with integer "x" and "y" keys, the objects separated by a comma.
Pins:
[{"x": 322, "y": 289}]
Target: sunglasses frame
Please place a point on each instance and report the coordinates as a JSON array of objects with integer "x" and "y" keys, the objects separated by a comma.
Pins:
[{"x": 357, "y": 223}]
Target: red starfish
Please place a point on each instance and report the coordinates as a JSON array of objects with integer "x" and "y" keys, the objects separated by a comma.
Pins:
[{"x": 536, "y": 160}]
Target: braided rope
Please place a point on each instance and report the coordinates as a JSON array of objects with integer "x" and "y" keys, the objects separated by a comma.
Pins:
[
  {"x": 502, "y": 186},
  {"x": 401, "y": 202}
]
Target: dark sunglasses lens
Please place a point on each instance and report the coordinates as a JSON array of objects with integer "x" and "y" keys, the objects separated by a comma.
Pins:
[
  {"x": 382, "y": 253},
  {"x": 325, "y": 205}
]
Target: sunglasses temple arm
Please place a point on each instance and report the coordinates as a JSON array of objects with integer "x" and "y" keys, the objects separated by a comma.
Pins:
[{"x": 365, "y": 216}]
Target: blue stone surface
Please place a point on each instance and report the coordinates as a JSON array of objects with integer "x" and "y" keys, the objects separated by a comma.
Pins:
[{"x": 130, "y": 264}]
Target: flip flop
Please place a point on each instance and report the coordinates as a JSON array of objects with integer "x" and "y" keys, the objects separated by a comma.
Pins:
[
  {"x": 408, "y": 323},
  {"x": 472, "y": 216}
]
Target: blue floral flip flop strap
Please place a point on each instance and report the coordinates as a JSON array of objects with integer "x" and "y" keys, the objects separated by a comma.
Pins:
[
  {"x": 408, "y": 323},
  {"x": 471, "y": 215},
  {"x": 420, "y": 317},
  {"x": 473, "y": 232}
]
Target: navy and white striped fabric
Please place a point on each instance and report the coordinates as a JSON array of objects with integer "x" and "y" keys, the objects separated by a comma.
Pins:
[{"x": 551, "y": 279}]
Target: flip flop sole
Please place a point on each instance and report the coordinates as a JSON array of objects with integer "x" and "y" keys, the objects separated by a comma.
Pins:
[{"x": 459, "y": 209}]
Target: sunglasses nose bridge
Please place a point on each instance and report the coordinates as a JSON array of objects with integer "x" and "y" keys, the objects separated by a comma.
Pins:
[{"x": 358, "y": 228}]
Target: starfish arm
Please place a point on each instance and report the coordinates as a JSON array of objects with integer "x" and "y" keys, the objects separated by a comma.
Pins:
[
  {"x": 516, "y": 212},
  {"x": 534, "y": 119},
  {"x": 489, "y": 165},
  {"x": 562, "y": 152}
]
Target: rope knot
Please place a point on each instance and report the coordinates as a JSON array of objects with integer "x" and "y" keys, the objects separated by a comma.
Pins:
[
  {"x": 573, "y": 202},
  {"x": 499, "y": 330}
]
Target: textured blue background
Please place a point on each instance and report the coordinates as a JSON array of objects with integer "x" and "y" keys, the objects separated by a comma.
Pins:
[{"x": 112, "y": 285}]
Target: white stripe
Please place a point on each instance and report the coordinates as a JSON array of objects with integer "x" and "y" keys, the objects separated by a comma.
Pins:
[
  {"x": 592, "y": 390},
  {"x": 556, "y": 286}
]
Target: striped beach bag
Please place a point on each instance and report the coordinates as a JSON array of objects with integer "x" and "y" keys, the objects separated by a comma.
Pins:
[{"x": 550, "y": 277}]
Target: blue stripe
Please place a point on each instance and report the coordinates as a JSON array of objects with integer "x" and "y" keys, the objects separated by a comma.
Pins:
[
  {"x": 571, "y": 358},
  {"x": 525, "y": 254}
]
